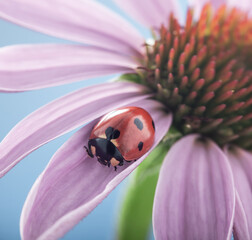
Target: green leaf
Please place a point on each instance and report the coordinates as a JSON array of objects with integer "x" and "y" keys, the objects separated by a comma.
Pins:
[
  {"x": 136, "y": 214},
  {"x": 131, "y": 77}
]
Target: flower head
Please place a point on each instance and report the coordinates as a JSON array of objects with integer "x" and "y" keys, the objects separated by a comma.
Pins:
[
  {"x": 196, "y": 77},
  {"x": 202, "y": 73}
]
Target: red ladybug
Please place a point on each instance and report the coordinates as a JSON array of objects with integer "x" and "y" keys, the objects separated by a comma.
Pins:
[{"x": 123, "y": 134}]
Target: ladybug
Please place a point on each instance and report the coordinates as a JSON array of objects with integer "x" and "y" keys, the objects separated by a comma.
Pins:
[{"x": 124, "y": 134}]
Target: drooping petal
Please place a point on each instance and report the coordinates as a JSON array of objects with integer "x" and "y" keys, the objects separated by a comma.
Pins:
[
  {"x": 64, "y": 115},
  {"x": 241, "y": 163},
  {"x": 240, "y": 230},
  {"x": 197, "y": 5},
  {"x": 151, "y": 13},
  {"x": 73, "y": 184},
  {"x": 195, "y": 194},
  {"x": 28, "y": 67},
  {"x": 82, "y": 21}
]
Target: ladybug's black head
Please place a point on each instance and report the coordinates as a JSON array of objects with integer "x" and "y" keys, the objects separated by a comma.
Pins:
[{"x": 105, "y": 150}]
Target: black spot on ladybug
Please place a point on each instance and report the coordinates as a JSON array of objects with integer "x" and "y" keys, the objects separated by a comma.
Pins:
[
  {"x": 111, "y": 133},
  {"x": 153, "y": 125},
  {"x": 138, "y": 123},
  {"x": 140, "y": 146},
  {"x": 116, "y": 134}
]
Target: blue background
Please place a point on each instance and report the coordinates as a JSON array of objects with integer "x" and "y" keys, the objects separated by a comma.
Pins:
[{"x": 14, "y": 187}]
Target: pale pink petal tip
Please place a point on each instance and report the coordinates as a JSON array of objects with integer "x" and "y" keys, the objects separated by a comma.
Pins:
[
  {"x": 195, "y": 196},
  {"x": 151, "y": 13},
  {"x": 245, "y": 5},
  {"x": 241, "y": 163},
  {"x": 81, "y": 21},
  {"x": 73, "y": 184},
  {"x": 29, "y": 67},
  {"x": 64, "y": 115}
]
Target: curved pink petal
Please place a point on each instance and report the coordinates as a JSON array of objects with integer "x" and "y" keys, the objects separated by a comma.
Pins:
[
  {"x": 82, "y": 21},
  {"x": 73, "y": 184},
  {"x": 28, "y": 67},
  {"x": 199, "y": 4},
  {"x": 64, "y": 115},
  {"x": 241, "y": 163},
  {"x": 195, "y": 195},
  {"x": 151, "y": 13}
]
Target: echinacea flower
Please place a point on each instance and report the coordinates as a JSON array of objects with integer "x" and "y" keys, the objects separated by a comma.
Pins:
[{"x": 196, "y": 77}]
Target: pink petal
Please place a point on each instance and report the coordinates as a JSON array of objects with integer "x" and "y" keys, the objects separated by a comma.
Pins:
[
  {"x": 199, "y": 4},
  {"x": 82, "y": 21},
  {"x": 28, "y": 67},
  {"x": 245, "y": 5},
  {"x": 241, "y": 163},
  {"x": 64, "y": 115},
  {"x": 151, "y": 13},
  {"x": 240, "y": 230},
  {"x": 73, "y": 184},
  {"x": 195, "y": 195}
]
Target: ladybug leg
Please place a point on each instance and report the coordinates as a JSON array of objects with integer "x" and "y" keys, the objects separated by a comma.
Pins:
[
  {"x": 109, "y": 164},
  {"x": 115, "y": 168},
  {"x": 88, "y": 152}
]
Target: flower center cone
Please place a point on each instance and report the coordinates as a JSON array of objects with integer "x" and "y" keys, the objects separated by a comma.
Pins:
[{"x": 202, "y": 73}]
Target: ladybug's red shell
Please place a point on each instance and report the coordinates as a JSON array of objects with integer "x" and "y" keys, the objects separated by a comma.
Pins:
[{"x": 136, "y": 129}]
